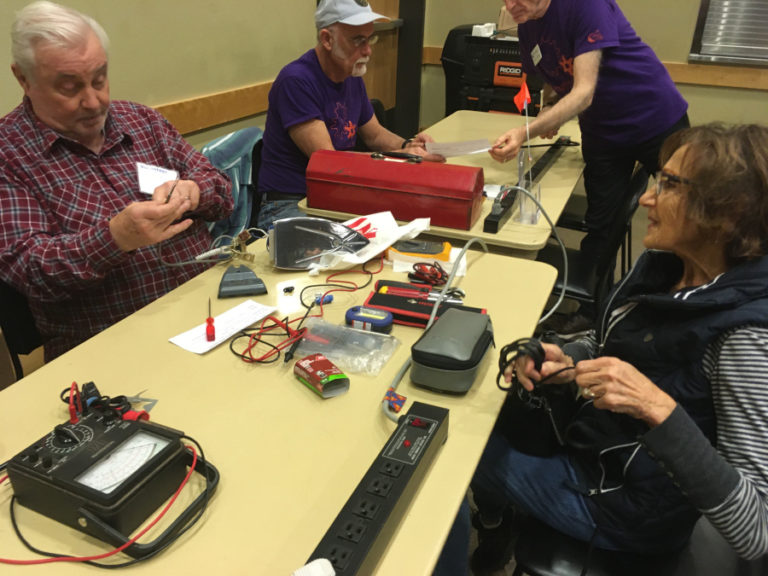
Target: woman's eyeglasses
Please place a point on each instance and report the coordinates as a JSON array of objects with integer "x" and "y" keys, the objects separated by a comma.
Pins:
[{"x": 667, "y": 181}]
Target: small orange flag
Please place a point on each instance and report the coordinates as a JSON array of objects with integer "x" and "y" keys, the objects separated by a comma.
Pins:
[{"x": 523, "y": 97}]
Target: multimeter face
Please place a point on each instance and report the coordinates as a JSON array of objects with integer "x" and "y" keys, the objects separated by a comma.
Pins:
[{"x": 110, "y": 472}]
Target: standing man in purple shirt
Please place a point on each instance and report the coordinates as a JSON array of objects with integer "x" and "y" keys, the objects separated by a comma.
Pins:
[
  {"x": 77, "y": 236},
  {"x": 596, "y": 67},
  {"x": 319, "y": 102}
]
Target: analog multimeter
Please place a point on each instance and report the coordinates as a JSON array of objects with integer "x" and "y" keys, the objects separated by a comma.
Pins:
[
  {"x": 371, "y": 319},
  {"x": 119, "y": 471}
]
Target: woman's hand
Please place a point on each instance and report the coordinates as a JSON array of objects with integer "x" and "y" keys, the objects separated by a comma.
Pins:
[
  {"x": 618, "y": 386},
  {"x": 554, "y": 359}
]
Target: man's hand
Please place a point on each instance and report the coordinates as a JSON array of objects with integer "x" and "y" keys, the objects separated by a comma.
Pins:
[
  {"x": 146, "y": 223},
  {"x": 418, "y": 145},
  {"x": 620, "y": 387},
  {"x": 183, "y": 190}
]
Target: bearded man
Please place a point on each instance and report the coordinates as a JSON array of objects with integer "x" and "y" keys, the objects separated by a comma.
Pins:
[{"x": 319, "y": 102}]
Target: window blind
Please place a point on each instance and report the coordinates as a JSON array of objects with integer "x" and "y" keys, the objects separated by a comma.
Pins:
[{"x": 731, "y": 31}]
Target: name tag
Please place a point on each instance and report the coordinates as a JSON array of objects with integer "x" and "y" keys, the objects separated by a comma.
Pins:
[
  {"x": 150, "y": 177},
  {"x": 536, "y": 55}
]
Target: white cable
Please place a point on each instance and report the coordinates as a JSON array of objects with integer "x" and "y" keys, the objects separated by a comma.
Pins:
[
  {"x": 562, "y": 250},
  {"x": 407, "y": 364},
  {"x": 220, "y": 251},
  {"x": 404, "y": 368}
]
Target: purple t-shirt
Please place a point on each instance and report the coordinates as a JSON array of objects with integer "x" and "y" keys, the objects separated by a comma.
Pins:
[
  {"x": 302, "y": 92},
  {"x": 635, "y": 99}
]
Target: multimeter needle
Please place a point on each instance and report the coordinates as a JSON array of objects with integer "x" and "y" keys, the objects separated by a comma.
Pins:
[{"x": 210, "y": 330}]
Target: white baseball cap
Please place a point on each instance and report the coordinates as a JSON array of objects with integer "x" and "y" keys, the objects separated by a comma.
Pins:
[{"x": 352, "y": 12}]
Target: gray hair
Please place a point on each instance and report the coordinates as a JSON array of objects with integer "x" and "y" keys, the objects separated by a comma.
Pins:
[{"x": 53, "y": 24}]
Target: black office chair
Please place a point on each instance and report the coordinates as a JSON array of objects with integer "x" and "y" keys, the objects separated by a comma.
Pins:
[
  {"x": 18, "y": 326},
  {"x": 381, "y": 115},
  {"x": 543, "y": 551},
  {"x": 573, "y": 217},
  {"x": 590, "y": 279}
]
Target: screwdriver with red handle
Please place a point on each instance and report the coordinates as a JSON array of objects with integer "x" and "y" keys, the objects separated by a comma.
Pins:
[{"x": 210, "y": 329}]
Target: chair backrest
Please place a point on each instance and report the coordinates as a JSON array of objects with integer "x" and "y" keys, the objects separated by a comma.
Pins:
[
  {"x": 18, "y": 326},
  {"x": 255, "y": 167},
  {"x": 543, "y": 551},
  {"x": 381, "y": 115},
  {"x": 617, "y": 235},
  {"x": 637, "y": 185},
  {"x": 232, "y": 154}
]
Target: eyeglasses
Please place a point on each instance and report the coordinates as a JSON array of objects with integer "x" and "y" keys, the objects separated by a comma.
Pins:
[
  {"x": 667, "y": 181},
  {"x": 360, "y": 40}
]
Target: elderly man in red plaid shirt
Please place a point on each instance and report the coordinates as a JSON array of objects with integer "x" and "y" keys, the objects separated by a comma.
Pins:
[{"x": 77, "y": 236}]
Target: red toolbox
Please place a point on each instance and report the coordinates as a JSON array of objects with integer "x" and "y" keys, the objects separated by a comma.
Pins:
[{"x": 450, "y": 195}]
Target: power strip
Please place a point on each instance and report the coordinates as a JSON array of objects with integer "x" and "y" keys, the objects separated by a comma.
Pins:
[
  {"x": 361, "y": 531},
  {"x": 502, "y": 210}
]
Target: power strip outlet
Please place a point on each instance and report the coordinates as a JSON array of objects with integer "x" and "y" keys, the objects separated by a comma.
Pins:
[{"x": 361, "y": 531}]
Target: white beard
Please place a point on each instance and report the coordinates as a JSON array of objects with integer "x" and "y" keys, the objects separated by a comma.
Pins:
[{"x": 361, "y": 67}]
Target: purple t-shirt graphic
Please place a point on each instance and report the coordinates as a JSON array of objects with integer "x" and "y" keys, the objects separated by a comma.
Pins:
[{"x": 302, "y": 92}]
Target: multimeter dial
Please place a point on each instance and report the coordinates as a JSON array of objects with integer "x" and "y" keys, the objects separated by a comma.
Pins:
[{"x": 67, "y": 438}]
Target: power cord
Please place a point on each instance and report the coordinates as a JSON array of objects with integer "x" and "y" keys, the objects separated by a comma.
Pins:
[
  {"x": 391, "y": 395},
  {"x": 236, "y": 248},
  {"x": 560, "y": 298},
  {"x": 386, "y": 403}
]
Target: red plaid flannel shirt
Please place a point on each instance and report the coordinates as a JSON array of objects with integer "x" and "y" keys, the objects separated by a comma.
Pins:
[{"x": 56, "y": 200}]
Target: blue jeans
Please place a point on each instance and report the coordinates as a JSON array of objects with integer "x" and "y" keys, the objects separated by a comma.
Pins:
[
  {"x": 539, "y": 487},
  {"x": 277, "y": 210}
]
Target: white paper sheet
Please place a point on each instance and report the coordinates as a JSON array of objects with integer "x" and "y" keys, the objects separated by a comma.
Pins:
[
  {"x": 448, "y": 149},
  {"x": 492, "y": 190},
  {"x": 227, "y": 325},
  {"x": 150, "y": 177}
]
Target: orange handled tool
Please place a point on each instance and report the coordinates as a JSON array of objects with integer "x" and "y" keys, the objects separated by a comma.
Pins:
[{"x": 210, "y": 329}]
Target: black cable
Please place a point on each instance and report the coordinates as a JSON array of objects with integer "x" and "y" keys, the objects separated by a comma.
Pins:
[
  {"x": 265, "y": 330},
  {"x": 523, "y": 347},
  {"x": 344, "y": 287},
  {"x": 262, "y": 332},
  {"x": 158, "y": 550}
]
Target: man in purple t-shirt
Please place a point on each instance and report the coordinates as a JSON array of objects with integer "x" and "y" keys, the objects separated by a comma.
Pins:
[
  {"x": 319, "y": 102},
  {"x": 596, "y": 67}
]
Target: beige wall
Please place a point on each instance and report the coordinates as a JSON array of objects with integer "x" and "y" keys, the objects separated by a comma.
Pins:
[{"x": 169, "y": 50}]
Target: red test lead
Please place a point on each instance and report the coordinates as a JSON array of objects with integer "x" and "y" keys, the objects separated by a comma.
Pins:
[{"x": 210, "y": 329}]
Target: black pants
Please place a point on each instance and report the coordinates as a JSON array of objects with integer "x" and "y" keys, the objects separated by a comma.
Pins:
[{"x": 607, "y": 173}]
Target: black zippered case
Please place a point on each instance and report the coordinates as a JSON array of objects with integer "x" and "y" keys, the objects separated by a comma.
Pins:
[{"x": 447, "y": 356}]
